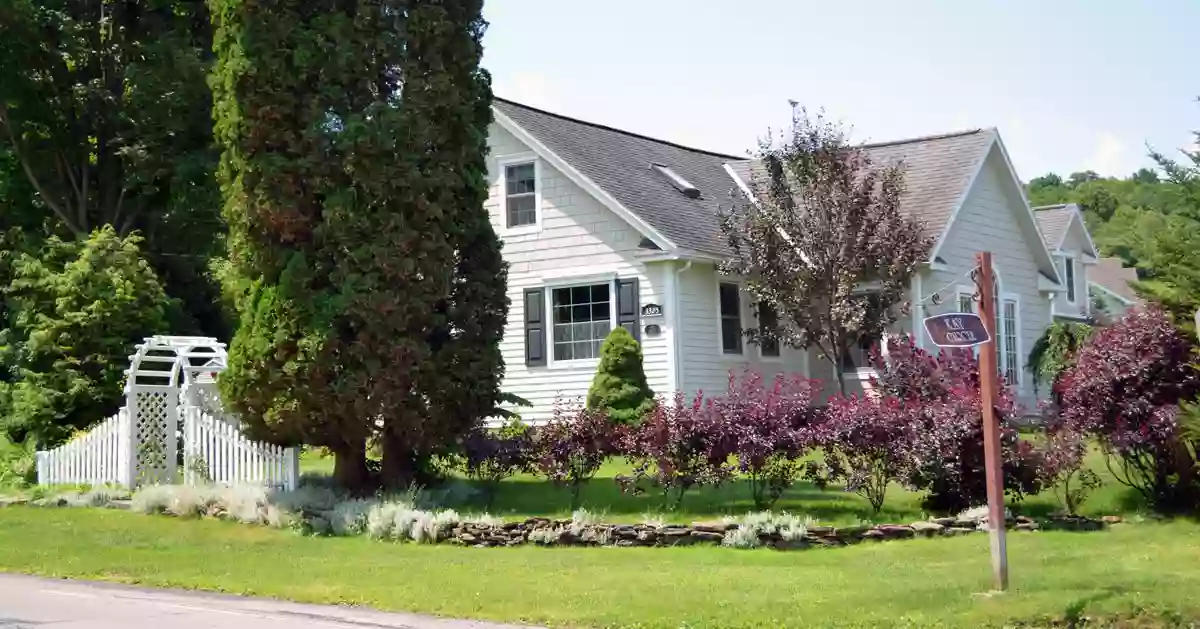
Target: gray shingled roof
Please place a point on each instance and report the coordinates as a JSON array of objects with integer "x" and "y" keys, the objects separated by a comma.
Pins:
[
  {"x": 1115, "y": 276},
  {"x": 1053, "y": 221},
  {"x": 938, "y": 170},
  {"x": 619, "y": 162}
]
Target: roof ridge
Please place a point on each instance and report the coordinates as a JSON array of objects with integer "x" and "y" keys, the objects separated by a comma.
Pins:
[
  {"x": 1056, "y": 206},
  {"x": 616, "y": 130},
  {"x": 924, "y": 138}
]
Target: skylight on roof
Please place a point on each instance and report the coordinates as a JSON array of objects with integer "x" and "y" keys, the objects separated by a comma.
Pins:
[{"x": 678, "y": 182}]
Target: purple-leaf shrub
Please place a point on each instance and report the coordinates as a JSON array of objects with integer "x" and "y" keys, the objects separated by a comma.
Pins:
[
  {"x": 870, "y": 444},
  {"x": 572, "y": 446},
  {"x": 1063, "y": 452},
  {"x": 677, "y": 446},
  {"x": 947, "y": 449},
  {"x": 1125, "y": 389},
  {"x": 490, "y": 456},
  {"x": 768, "y": 428}
]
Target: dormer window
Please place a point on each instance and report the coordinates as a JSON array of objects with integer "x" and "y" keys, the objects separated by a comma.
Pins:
[
  {"x": 1069, "y": 277},
  {"x": 676, "y": 181}
]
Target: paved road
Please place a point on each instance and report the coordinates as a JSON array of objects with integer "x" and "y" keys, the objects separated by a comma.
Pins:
[{"x": 33, "y": 603}]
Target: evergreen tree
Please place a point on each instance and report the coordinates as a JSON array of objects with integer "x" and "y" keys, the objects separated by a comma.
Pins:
[
  {"x": 619, "y": 388},
  {"x": 369, "y": 278}
]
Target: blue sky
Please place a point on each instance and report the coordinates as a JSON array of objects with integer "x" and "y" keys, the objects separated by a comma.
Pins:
[{"x": 1070, "y": 85}]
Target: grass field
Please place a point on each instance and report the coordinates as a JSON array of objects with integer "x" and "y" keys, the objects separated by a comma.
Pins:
[
  {"x": 527, "y": 495},
  {"x": 926, "y": 583}
]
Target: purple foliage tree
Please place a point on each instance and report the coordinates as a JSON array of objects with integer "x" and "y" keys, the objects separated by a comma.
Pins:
[
  {"x": 572, "y": 446},
  {"x": 769, "y": 428},
  {"x": 822, "y": 223},
  {"x": 678, "y": 446},
  {"x": 1125, "y": 388}
]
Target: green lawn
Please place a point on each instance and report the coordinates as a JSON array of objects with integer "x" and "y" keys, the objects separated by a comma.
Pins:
[
  {"x": 527, "y": 495},
  {"x": 929, "y": 583}
]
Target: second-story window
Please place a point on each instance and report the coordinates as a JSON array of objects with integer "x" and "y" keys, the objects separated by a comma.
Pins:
[
  {"x": 1069, "y": 277},
  {"x": 520, "y": 194}
]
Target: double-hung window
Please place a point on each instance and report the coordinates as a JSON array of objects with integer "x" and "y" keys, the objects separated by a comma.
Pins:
[
  {"x": 731, "y": 317},
  {"x": 582, "y": 318},
  {"x": 520, "y": 194}
]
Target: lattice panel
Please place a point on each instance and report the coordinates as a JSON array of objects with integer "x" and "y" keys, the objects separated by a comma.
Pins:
[{"x": 154, "y": 431}]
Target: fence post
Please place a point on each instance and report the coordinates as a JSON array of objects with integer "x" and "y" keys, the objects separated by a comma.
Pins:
[
  {"x": 291, "y": 461},
  {"x": 43, "y": 466}
]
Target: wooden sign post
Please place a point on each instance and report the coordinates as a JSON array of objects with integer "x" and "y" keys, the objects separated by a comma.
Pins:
[{"x": 988, "y": 373}]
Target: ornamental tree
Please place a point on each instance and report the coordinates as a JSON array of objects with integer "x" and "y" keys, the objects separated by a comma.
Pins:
[
  {"x": 571, "y": 447},
  {"x": 822, "y": 240},
  {"x": 678, "y": 446},
  {"x": 1125, "y": 389},
  {"x": 769, "y": 427},
  {"x": 619, "y": 388}
]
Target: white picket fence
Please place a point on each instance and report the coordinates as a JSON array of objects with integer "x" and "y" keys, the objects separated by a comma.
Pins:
[
  {"x": 216, "y": 451},
  {"x": 98, "y": 457},
  {"x": 162, "y": 403}
]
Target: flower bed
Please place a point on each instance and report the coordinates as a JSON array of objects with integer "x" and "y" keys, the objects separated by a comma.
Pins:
[{"x": 323, "y": 513}]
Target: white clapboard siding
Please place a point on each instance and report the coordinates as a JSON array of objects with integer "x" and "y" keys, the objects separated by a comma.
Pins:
[
  {"x": 215, "y": 447},
  {"x": 92, "y": 458}
]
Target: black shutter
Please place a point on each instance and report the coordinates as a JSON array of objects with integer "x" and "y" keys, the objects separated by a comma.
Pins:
[
  {"x": 535, "y": 327},
  {"x": 627, "y": 306}
]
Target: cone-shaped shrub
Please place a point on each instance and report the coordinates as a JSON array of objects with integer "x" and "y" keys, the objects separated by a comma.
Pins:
[{"x": 619, "y": 388}]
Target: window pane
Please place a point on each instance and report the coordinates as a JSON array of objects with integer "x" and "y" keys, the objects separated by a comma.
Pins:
[
  {"x": 1070, "y": 278},
  {"x": 522, "y": 210},
  {"x": 966, "y": 303},
  {"x": 731, "y": 336},
  {"x": 729, "y": 299},
  {"x": 519, "y": 178}
]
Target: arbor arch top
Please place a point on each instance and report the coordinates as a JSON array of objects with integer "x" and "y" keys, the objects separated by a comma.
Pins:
[{"x": 175, "y": 361}]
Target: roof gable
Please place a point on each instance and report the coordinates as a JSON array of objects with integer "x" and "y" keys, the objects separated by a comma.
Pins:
[
  {"x": 620, "y": 164},
  {"x": 1055, "y": 222}
]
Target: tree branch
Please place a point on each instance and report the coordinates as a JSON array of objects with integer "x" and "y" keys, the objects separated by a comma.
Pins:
[{"x": 56, "y": 207}]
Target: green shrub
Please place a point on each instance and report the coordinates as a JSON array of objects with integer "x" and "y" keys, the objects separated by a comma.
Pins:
[
  {"x": 76, "y": 309},
  {"x": 619, "y": 388},
  {"x": 1055, "y": 351}
]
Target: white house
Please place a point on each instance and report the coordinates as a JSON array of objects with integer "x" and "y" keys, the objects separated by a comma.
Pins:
[
  {"x": 1068, "y": 240},
  {"x": 604, "y": 227}
]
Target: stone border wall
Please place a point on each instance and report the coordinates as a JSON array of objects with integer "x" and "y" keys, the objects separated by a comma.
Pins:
[{"x": 547, "y": 532}]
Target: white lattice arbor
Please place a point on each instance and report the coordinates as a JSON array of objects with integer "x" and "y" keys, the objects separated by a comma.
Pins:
[
  {"x": 159, "y": 367},
  {"x": 171, "y": 397}
]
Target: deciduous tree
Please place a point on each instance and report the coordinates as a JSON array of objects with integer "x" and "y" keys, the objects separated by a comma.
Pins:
[{"x": 822, "y": 240}]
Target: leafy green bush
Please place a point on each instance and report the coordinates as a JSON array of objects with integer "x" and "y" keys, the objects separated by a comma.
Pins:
[
  {"x": 17, "y": 464},
  {"x": 1055, "y": 351},
  {"x": 75, "y": 311},
  {"x": 620, "y": 388}
]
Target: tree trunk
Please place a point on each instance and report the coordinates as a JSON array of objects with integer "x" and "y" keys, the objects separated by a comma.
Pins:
[
  {"x": 350, "y": 469},
  {"x": 398, "y": 470}
]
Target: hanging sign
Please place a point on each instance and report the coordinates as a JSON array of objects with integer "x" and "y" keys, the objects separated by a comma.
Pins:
[{"x": 956, "y": 329}]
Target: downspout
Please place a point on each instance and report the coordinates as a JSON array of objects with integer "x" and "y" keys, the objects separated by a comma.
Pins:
[{"x": 676, "y": 362}]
